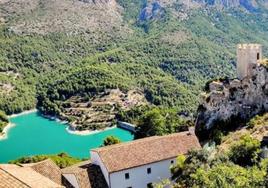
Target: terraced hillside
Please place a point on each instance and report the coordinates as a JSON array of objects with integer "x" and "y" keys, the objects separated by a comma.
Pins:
[{"x": 100, "y": 111}]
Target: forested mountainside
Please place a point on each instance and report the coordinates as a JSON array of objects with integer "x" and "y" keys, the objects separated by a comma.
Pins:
[{"x": 53, "y": 51}]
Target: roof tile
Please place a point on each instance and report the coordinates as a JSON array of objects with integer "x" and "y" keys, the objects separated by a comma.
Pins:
[
  {"x": 87, "y": 174},
  {"x": 147, "y": 150},
  {"x": 28, "y": 176},
  {"x": 48, "y": 169}
]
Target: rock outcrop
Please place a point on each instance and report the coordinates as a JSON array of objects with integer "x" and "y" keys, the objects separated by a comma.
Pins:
[
  {"x": 249, "y": 5},
  {"x": 152, "y": 11},
  {"x": 227, "y": 103},
  {"x": 99, "y": 1}
]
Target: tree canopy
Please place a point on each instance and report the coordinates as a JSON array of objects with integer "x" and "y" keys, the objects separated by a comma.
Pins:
[
  {"x": 160, "y": 121},
  {"x": 110, "y": 140}
]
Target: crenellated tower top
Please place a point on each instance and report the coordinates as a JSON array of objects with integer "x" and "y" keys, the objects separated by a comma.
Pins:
[{"x": 248, "y": 56}]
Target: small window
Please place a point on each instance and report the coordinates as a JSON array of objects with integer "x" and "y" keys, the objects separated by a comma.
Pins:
[
  {"x": 258, "y": 56},
  {"x": 126, "y": 176},
  {"x": 149, "y": 171},
  {"x": 150, "y": 185},
  {"x": 171, "y": 161}
]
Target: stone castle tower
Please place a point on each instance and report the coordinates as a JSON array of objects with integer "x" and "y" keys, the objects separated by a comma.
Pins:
[{"x": 248, "y": 55}]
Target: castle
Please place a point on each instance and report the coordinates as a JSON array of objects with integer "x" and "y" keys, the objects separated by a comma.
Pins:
[{"x": 248, "y": 56}]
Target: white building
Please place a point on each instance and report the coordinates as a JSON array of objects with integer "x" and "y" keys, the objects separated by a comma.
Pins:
[
  {"x": 140, "y": 163},
  {"x": 135, "y": 164},
  {"x": 248, "y": 56}
]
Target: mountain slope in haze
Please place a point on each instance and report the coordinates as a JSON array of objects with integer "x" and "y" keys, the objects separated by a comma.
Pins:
[
  {"x": 71, "y": 17},
  {"x": 165, "y": 49}
]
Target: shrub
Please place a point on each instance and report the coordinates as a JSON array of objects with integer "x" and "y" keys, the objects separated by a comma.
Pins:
[
  {"x": 110, "y": 140},
  {"x": 246, "y": 151}
]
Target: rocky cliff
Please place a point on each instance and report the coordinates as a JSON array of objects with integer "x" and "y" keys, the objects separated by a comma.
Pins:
[
  {"x": 227, "y": 103},
  {"x": 249, "y": 5},
  {"x": 157, "y": 9},
  {"x": 152, "y": 11}
]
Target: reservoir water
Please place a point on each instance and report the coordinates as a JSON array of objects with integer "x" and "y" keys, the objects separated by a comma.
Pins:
[{"x": 34, "y": 135}]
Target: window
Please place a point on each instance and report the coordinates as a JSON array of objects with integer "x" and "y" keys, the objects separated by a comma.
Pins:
[
  {"x": 258, "y": 56},
  {"x": 126, "y": 176},
  {"x": 171, "y": 161},
  {"x": 148, "y": 170},
  {"x": 150, "y": 185}
]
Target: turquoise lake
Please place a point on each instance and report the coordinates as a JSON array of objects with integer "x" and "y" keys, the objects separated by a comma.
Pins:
[{"x": 34, "y": 135}]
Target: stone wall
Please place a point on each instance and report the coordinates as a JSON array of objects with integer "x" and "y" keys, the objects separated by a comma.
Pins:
[{"x": 248, "y": 55}]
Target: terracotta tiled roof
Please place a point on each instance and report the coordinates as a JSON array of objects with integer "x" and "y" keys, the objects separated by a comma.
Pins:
[
  {"x": 9, "y": 181},
  {"x": 28, "y": 176},
  {"x": 87, "y": 175},
  {"x": 48, "y": 169},
  {"x": 145, "y": 151}
]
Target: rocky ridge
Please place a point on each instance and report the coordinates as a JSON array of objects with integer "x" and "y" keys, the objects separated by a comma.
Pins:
[{"x": 229, "y": 102}]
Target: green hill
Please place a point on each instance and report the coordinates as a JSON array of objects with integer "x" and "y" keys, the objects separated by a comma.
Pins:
[{"x": 169, "y": 54}]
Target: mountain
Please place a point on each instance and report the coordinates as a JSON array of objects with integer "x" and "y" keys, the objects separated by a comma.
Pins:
[
  {"x": 71, "y": 17},
  {"x": 52, "y": 51}
]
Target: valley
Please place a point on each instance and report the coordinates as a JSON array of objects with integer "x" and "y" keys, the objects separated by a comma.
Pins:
[
  {"x": 166, "y": 50},
  {"x": 189, "y": 76}
]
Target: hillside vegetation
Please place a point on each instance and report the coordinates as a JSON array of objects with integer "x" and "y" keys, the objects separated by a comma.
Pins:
[
  {"x": 63, "y": 160},
  {"x": 3, "y": 121},
  {"x": 237, "y": 161},
  {"x": 168, "y": 55}
]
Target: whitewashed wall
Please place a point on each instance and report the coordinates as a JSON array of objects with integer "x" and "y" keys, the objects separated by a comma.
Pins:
[
  {"x": 97, "y": 161},
  {"x": 138, "y": 177},
  {"x": 72, "y": 179}
]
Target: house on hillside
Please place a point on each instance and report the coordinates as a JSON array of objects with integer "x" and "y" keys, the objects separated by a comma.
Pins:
[{"x": 135, "y": 164}]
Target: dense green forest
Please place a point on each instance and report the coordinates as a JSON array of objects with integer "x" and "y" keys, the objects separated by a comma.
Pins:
[
  {"x": 152, "y": 120},
  {"x": 169, "y": 59}
]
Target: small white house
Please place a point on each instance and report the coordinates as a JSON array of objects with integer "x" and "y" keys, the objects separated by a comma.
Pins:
[{"x": 139, "y": 163}]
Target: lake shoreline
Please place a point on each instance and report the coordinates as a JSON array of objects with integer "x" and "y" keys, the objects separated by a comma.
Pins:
[
  {"x": 86, "y": 132},
  {"x": 22, "y": 113},
  {"x": 4, "y": 133},
  {"x": 34, "y": 134},
  {"x": 69, "y": 128}
]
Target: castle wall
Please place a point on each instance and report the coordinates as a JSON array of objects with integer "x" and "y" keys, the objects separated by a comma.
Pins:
[{"x": 248, "y": 55}]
